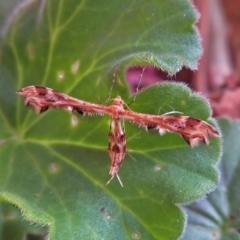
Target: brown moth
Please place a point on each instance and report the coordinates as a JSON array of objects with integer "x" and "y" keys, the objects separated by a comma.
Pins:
[{"x": 193, "y": 131}]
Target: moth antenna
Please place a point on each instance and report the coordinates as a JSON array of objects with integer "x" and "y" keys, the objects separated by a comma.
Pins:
[
  {"x": 137, "y": 88},
  {"x": 111, "y": 88}
]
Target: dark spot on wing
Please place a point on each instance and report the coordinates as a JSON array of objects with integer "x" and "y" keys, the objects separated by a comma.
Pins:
[
  {"x": 79, "y": 110},
  {"x": 123, "y": 137},
  {"x": 151, "y": 126},
  {"x": 42, "y": 91},
  {"x": 115, "y": 148},
  {"x": 43, "y": 109}
]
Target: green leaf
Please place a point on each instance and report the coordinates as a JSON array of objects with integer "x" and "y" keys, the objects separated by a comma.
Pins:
[
  {"x": 217, "y": 216},
  {"x": 14, "y": 228},
  {"x": 55, "y": 171}
]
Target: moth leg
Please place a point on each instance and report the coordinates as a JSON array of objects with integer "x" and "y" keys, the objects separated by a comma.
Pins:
[{"x": 131, "y": 155}]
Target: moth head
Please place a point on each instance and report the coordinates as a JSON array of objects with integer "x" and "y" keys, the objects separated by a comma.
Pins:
[{"x": 118, "y": 101}]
